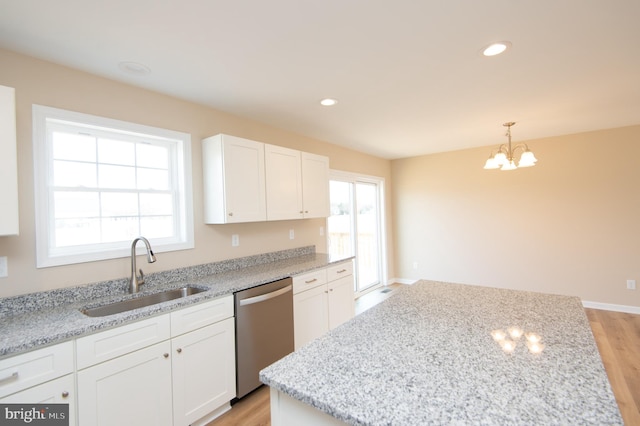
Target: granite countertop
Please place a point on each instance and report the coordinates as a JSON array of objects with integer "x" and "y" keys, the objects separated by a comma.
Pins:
[
  {"x": 428, "y": 356},
  {"x": 41, "y": 319}
]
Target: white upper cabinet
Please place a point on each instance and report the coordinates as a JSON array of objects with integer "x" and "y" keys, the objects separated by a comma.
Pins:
[
  {"x": 297, "y": 184},
  {"x": 284, "y": 183},
  {"x": 8, "y": 163},
  {"x": 315, "y": 185},
  {"x": 234, "y": 180},
  {"x": 249, "y": 181}
]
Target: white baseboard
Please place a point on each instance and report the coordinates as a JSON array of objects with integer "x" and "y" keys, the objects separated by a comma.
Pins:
[
  {"x": 401, "y": 281},
  {"x": 587, "y": 304},
  {"x": 611, "y": 307}
]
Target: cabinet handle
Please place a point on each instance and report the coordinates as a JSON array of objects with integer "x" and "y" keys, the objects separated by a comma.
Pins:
[
  {"x": 311, "y": 281},
  {"x": 12, "y": 376},
  {"x": 65, "y": 394},
  {"x": 179, "y": 350},
  {"x": 166, "y": 355},
  {"x": 301, "y": 212},
  {"x": 306, "y": 211},
  {"x": 230, "y": 213},
  {"x": 341, "y": 271}
]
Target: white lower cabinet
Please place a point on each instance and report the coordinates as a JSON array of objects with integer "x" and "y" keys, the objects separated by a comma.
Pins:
[
  {"x": 203, "y": 371},
  {"x": 310, "y": 315},
  {"x": 133, "y": 389},
  {"x": 341, "y": 301},
  {"x": 168, "y": 381},
  {"x": 57, "y": 391},
  {"x": 322, "y": 300},
  {"x": 41, "y": 376}
]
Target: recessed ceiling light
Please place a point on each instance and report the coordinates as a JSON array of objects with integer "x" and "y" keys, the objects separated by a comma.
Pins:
[
  {"x": 496, "y": 48},
  {"x": 134, "y": 68},
  {"x": 328, "y": 102}
]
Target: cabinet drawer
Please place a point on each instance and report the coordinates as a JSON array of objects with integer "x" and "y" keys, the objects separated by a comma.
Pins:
[
  {"x": 200, "y": 315},
  {"x": 339, "y": 270},
  {"x": 32, "y": 368},
  {"x": 112, "y": 343},
  {"x": 309, "y": 280}
]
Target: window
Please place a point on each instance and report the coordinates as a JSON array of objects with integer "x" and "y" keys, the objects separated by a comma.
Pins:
[{"x": 100, "y": 183}]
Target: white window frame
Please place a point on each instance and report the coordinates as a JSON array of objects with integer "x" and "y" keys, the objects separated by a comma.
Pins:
[
  {"x": 354, "y": 178},
  {"x": 46, "y": 254}
]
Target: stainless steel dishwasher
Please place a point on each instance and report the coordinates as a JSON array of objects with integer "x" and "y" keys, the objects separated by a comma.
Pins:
[{"x": 264, "y": 330}]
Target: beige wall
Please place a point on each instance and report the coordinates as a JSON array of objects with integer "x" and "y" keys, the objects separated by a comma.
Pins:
[
  {"x": 570, "y": 225},
  {"x": 38, "y": 82}
]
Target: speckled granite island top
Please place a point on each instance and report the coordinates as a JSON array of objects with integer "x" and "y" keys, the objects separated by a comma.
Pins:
[
  {"x": 34, "y": 320},
  {"x": 434, "y": 354}
]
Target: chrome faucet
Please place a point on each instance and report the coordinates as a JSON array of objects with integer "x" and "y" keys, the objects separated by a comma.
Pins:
[{"x": 136, "y": 281}]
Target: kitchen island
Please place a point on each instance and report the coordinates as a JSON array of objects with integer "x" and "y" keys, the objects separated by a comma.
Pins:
[{"x": 440, "y": 353}]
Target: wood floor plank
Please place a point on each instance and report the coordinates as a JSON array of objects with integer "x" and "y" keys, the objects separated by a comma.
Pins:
[
  {"x": 252, "y": 410},
  {"x": 615, "y": 334}
]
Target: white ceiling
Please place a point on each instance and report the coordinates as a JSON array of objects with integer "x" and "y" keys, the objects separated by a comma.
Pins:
[{"x": 408, "y": 74}]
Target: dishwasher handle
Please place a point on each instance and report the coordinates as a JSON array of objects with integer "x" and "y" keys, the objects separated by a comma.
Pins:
[{"x": 267, "y": 296}]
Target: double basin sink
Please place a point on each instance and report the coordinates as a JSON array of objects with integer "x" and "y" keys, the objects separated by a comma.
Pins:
[{"x": 141, "y": 302}]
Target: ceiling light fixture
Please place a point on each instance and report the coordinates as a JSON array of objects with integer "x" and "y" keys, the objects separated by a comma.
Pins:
[
  {"x": 496, "y": 48},
  {"x": 503, "y": 159},
  {"x": 328, "y": 102}
]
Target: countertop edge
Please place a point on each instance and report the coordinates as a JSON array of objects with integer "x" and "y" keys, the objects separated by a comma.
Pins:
[{"x": 45, "y": 327}]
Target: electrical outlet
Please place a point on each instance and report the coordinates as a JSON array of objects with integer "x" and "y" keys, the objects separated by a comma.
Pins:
[
  {"x": 631, "y": 284},
  {"x": 235, "y": 240},
  {"x": 292, "y": 234},
  {"x": 4, "y": 268}
]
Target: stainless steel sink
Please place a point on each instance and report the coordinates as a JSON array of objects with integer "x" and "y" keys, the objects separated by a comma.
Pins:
[{"x": 141, "y": 302}]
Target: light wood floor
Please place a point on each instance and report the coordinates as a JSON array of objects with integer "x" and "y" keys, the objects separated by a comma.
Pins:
[{"x": 617, "y": 336}]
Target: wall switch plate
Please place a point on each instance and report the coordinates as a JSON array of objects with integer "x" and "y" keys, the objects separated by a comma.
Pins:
[
  {"x": 4, "y": 267},
  {"x": 415, "y": 265},
  {"x": 235, "y": 240},
  {"x": 322, "y": 231},
  {"x": 631, "y": 284},
  {"x": 292, "y": 234}
]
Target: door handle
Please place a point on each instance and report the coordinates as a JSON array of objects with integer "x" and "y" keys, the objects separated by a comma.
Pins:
[{"x": 263, "y": 297}]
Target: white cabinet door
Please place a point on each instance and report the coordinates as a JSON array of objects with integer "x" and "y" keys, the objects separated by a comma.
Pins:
[
  {"x": 204, "y": 376},
  {"x": 134, "y": 389},
  {"x": 33, "y": 368},
  {"x": 315, "y": 185},
  {"x": 234, "y": 180},
  {"x": 8, "y": 163},
  {"x": 310, "y": 315},
  {"x": 58, "y": 391},
  {"x": 341, "y": 301},
  {"x": 284, "y": 183}
]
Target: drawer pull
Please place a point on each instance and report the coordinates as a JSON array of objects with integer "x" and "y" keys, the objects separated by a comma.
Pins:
[
  {"x": 65, "y": 394},
  {"x": 179, "y": 350},
  {"x": 166, "y": 355},
  {"x": 311, "y": 281},
  {"x": 341, "y": 271},
  {"x": 12, "y": 376}
]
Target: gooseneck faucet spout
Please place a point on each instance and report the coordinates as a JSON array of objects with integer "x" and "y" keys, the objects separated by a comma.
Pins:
[{"x": 136, "y": 281}]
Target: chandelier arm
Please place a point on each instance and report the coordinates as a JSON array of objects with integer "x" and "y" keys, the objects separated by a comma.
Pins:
[{"x": 522, "y": 146}]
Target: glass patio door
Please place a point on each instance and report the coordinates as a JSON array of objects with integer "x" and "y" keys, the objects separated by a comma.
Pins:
[{"x": 355, "y": 226}]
